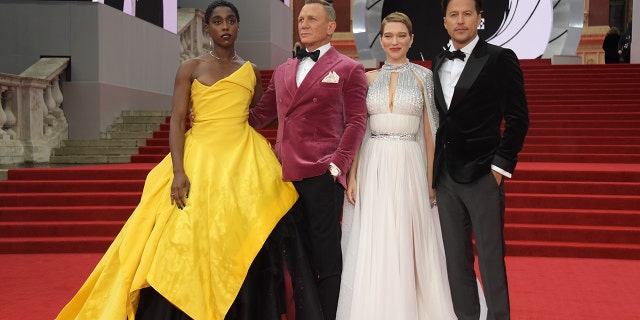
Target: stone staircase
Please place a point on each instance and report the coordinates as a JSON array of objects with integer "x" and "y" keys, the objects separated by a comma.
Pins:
[{"x": 129, "y": 131}]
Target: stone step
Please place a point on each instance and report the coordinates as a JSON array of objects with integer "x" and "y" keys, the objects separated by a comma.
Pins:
[
  {"x": 104, "y": 143},
  {"x": 90, "y": 159},
  {"x": 90, "y": 150},
  {"x": 128, "y": 131},
  {"x": 128, "y": 135},
  {"x": 146, "y": 113},
  {"x": 134, "y": 127},
  {"x": 140, "y": 120}
]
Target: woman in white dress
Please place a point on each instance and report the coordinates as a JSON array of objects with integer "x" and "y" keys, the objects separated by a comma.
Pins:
[{"x": 394, "y": 265}]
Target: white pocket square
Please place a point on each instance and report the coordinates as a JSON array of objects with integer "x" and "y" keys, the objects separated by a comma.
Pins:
[{"x": 332, "y": 77}]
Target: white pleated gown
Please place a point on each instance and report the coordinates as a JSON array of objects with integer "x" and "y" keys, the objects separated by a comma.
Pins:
[{"x": 394, "y": 265}]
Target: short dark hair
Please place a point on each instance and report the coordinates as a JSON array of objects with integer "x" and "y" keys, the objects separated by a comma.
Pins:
[
  {"x": 328, "y": 8},
  {"x": 445, "y": 4},
  {"x": 220, "y": 3}
]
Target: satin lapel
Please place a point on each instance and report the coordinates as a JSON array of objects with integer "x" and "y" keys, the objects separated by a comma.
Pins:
[
  {"x": 476, "y": 62},
  {"x": 442, "y": 104}
]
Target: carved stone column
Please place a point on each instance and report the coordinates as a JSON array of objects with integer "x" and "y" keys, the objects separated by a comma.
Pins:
[
  {"x": 56, "y": 92},
  {"x": 3, "y": 115},
  {"x": 9, "y": 107}
]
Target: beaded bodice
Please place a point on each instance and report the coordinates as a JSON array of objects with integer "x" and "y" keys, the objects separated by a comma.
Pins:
[
  {"x": 408, "y": 98},
  {"x": 408, "y": 101}
]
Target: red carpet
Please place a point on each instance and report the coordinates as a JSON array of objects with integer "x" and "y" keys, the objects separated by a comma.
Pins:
[
  {"x": 575, "y": 194},
  {"x": 36, "y": 286}
]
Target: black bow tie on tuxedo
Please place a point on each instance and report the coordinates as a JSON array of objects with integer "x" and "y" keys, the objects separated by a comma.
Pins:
[
  {"x": 301, "y": 54},
  {"x": 455, "y": 55}
]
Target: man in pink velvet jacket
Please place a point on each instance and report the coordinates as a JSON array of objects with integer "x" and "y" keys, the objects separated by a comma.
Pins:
[{"x": 321, "y": 112}]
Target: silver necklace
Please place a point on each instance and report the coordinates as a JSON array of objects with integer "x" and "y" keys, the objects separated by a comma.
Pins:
[{"x": 235, "y": 55}]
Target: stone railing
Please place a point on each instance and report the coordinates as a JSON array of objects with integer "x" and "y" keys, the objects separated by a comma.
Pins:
[
  {"x": 191, "y": 33},
  {"x": 590, "y": 46},
  {"x": 31, "y": 120}
]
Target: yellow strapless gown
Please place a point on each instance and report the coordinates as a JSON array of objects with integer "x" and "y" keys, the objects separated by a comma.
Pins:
[{"x": 198, "y": 257}]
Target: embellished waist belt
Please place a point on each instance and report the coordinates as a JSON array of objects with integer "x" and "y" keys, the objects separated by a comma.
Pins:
[{"x": 392, "y": 136}]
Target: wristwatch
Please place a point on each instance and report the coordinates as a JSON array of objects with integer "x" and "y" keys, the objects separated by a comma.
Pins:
[{"x": 334, "y": 170}]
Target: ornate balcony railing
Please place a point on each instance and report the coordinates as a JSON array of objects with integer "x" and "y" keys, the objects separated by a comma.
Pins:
[{"x": 31, "y": 119}]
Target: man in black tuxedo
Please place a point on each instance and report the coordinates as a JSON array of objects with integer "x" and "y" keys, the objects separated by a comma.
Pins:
[{"x": 477, "y": 86}]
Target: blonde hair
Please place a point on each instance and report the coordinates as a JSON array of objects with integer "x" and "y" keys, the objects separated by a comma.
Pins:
[{"x": 396, "y": 17}]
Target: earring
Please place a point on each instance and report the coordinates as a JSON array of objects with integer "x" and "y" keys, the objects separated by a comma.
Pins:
[{"x": 210, "y": 42}]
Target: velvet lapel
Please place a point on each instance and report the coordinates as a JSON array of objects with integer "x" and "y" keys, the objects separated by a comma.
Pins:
[
  {"x": 290, "y": 72},
  {"x": 476, "y": 62},
  {"x": 320, "y": 70},
  {"x": 442, "y": 104}
]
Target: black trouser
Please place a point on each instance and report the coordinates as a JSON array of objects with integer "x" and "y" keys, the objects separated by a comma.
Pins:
[
  {"x": 479, "y": 207},
  {"x": 317, "y": 213}
]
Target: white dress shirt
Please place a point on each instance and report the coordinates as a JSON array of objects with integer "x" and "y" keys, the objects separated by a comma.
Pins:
[
  {"x": 307, "y": 63},
  {"x": 451, "y": 70}
]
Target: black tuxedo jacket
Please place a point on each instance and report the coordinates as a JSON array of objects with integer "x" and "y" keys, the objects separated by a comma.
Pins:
[{"x": 469, "y": 138}]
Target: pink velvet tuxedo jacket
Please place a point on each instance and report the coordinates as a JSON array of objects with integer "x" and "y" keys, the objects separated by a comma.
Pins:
[{"x": 320, "y": 122}]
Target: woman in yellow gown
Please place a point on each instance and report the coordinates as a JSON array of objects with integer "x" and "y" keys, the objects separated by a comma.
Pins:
[{"x": 206, "y": 209}]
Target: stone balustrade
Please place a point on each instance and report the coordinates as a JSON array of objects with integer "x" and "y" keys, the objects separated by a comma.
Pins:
[
  {"x": 32, "y": 121},
  {"x": 191, "y": 33}
]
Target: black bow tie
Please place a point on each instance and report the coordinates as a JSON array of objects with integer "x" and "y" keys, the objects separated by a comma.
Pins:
[
  {"x": 454, "y": 54},
  {"x": 301, "y": 54}
]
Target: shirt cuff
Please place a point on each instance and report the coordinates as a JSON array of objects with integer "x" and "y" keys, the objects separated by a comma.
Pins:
[
  {"x": 333, "y": 165},
  {"x": 500, "y": 171}
]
